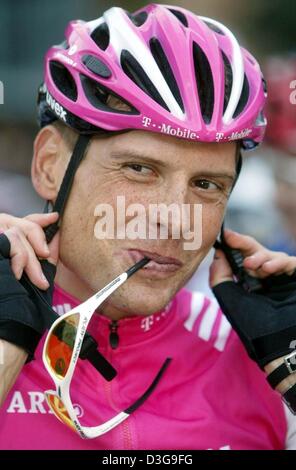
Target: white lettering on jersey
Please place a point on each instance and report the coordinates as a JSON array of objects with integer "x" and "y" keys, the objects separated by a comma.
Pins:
[
  {"x": 36, "y": 403},
  {"x": 37, "y": 399},
  {"x": 17, "y": 404}
]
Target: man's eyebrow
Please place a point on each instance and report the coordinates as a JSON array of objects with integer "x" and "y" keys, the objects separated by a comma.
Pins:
[
  {"x": 216, "y": 174},
  {"x": 132, "y": 155}
]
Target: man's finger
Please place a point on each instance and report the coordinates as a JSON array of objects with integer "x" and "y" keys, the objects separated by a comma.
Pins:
[
  {"x": 54, "y": 249},
  {"x": 282, "y": 263},
  {"x": 248, "y": 245},
  {"x": 23, "y": 258},
  {"x": 43, "y": 219},
  {"x": 257, "y": 260}
]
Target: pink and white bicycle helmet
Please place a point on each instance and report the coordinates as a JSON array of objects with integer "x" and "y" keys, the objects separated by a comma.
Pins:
[{"x": 161, "y": 69}]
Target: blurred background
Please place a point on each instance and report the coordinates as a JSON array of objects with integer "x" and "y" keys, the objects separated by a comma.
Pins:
[{"x": 261, "y": 204}]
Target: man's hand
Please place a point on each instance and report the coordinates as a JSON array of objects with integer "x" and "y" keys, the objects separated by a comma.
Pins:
[
  {"x": 26, "y": 246},
  {"x": 266, "y": 320},
  {"x": 27, "y": 266},
  {"x": 259, "y": 261},
  {"x": 28, "y": 243}
]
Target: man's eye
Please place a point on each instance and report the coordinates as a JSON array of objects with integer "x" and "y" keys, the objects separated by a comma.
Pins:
[
  {"x": 205, "y": 184},
  {"x": 143, "y": 170}
]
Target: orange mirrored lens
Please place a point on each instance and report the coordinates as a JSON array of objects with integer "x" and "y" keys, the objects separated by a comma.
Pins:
[
  {"x": 60, "y": 344},
  {"x": 59, "y": 410}
]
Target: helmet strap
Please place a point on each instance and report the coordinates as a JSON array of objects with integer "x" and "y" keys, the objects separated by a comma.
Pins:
[{"x": 64, "y": 191}]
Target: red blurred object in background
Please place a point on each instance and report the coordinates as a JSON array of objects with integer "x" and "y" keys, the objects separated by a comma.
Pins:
[{"x": 280, "y": 73}]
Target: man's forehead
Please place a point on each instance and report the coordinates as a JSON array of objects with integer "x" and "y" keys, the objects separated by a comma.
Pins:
[{"x": 170, "y": 151}]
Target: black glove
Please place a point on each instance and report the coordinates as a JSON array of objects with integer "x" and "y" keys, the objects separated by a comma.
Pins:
[
  {"x": 265, "y": 321},
  {"x": 26, "y": 312}
]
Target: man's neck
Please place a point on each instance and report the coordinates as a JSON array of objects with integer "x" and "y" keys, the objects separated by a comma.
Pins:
[{"x": 71, "y": 284}]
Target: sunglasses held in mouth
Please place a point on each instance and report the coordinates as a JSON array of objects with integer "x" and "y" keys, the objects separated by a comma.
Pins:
[{"x": 61, "y": 352}]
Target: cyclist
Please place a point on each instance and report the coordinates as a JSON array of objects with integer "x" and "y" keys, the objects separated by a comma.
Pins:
[{"x": 166, "y": 99}]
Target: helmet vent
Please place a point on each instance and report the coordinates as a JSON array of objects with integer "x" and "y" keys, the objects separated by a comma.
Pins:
[
  {"x": 165, "y": 68},
  {"x": 243, "y": 98},
  {"x": 214, "y": 28},
  {"x": 63, "y": 80},
  {"x": 101, "y": 36},
  {"x": 204, "y": 83},
  {"x": 138, "y": 19},
  {"x": 181, "y": 17},
  {"x": 264, "y": 84},
  {"x": 228, "y": 80},
  {"x": 260, "y": 120},
  {"x": 135, "y": 72},
  {"x": 96, "y": 66},
  {"x": 102, "y": 98}
]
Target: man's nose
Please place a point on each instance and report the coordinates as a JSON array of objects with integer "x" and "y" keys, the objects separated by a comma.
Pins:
[
  {"x": 171, "y": 210},
  {"x": 175, "y": 191}
]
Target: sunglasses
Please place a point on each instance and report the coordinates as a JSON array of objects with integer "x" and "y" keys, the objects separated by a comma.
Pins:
[{"x": 61, "y": 352}]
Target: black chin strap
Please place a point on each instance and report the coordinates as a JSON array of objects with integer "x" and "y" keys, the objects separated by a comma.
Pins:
[
  {"x": 62, "y": 197},
  {"x": 235, "y": 257},
  {"x": 239, "y": 164}
]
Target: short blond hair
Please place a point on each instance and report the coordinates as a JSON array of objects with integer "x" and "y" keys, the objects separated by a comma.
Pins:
[{"x": 68, "y": 134}]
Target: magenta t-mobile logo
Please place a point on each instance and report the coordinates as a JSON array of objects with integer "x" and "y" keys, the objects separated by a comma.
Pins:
[{"x": 146, "y": 121}]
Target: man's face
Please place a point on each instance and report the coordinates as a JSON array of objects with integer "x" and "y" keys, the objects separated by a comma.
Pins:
[{"x": 144, "y": 168}]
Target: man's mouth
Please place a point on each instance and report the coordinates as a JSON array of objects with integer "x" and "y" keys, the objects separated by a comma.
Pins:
[{"x": 158, "y": 262}]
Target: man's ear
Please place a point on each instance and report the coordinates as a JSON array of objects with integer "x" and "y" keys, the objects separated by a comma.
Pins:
[{"x": 50, "y": 160}]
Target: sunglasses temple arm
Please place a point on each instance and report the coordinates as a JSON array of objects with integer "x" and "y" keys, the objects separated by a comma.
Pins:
[
  {"x": 96, "y": 300},
  {"x": 140, "y": 264},
  {"x": 89, "y": 346},
  {"x": 150, "y": 389}
]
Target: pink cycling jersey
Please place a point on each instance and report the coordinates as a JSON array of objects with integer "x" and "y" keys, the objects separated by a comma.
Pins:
[{"x": 212, "y": 396}]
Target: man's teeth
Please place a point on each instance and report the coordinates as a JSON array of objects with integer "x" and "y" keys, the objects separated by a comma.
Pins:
[{"x": 152, "y": 264}]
